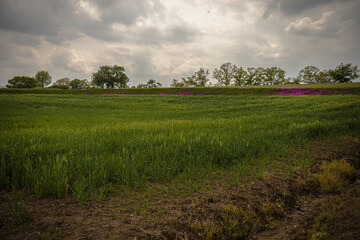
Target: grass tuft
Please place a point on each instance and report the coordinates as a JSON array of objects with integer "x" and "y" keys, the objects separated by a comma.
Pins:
[
  {"x": 17, "y": 208},
  {"x": 334, "y": 176}
]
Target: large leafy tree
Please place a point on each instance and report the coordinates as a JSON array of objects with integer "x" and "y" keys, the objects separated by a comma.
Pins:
[
  {"x": 240, "y": 75},
  {"x": 200, "y": 78},
  {"x": 224, "y": 75},
  {"x": 273, "y": 76},
  {"x": 308, "y": 74},
  {"x": 344, "y": 73},
  {"x": 43, "y": 78},
  {"x": 22, "y": 82},
  {"x": 62, "y": 81},
  {"x": 323, "y": 77},
  {"x": 252, "y": 76},
  {"x": 110, "y": 77}
]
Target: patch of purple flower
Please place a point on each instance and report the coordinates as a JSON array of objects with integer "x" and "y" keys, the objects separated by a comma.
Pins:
[
  {"x": 307, "y": 91},
  {"x": 253, "y": 92}
]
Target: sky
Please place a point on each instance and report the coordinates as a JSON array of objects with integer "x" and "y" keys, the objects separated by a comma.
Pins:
[{"x": 167, "y": 39}]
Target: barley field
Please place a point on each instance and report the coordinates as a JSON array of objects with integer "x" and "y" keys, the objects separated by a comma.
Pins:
[{"x": 55, "y": 144}]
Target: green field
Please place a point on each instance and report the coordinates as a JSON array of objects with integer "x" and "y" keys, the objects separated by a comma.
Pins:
[{"x": 54, "y": 144}]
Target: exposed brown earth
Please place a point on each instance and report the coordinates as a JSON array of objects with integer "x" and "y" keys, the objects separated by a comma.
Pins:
[{"x": 273, "y": 206}]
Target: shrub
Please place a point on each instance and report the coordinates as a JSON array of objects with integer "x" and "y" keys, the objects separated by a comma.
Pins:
[
  {"x": 65, "y": 87},
  {"x": 22, "y": 82}
]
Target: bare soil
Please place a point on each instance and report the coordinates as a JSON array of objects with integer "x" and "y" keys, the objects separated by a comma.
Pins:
[{"x": 160, "y": 211}]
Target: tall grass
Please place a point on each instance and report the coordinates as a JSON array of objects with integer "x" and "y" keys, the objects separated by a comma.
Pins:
[{"x": 55, "y": 144}]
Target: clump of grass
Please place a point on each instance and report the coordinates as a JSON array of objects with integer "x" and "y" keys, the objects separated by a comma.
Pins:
[
  {"x": 339, "y": 216},
  {"x": 104, "y": 191},
  {"x": 79, "y": 190},
  {"x": 206, "y": 230},
  {"x": 234, "y": 222},
  {"x": 334, "y": 176},
  {"x": 319, "y": 236},
  {"x": 16, "y": 207},
  {"x": 270, "y": 211},
  {"x": 339, "y": 167}
]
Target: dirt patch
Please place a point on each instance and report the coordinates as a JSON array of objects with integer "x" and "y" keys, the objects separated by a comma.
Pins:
[{"x": 272, "y": 207}]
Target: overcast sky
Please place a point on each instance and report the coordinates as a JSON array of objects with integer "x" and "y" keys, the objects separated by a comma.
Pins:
[{"x": 167, "y": 39}]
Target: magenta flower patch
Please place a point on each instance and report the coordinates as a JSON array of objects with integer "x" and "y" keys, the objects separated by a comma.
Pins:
[{"x": 307, "y": 91}]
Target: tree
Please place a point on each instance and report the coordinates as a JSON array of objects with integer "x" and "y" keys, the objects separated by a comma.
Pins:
[
  {"x": 200, "y": 79},
  {"x": 79, "y": 84},
  {"x": 292, "y": 80},
  {"x": 344, "y": 73},
  {"x": 308, "y": 74},
  {"x": 251, "y": 76},
  {"x": 175, "y": 83},
  {"x": 273, "y": 76},
  {"x": 224, "y": 75},
  {"x": 150, "y": 84},
  {"x": 323, "y": 77},
  {"x": 110, "y": 77},
  {"x": 259, "y": 76},
  {"x": 22, "y": 82},
  {"x": 240, "y": 75},
  {"x": 43, "y": 78},
  {"x": 63, "y": 81}
]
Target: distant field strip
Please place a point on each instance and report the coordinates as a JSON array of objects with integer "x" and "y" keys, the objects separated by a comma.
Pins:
[{"x": 52, "y": 144}]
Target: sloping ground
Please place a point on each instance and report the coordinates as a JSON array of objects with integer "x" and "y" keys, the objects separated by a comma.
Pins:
[
  {"x": 324, "y": 88},
  {"x": 280, "y": 202}
]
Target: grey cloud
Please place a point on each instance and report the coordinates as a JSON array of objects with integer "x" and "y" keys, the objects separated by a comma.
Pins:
[
  {"x": 125, "y": 11},
  {"x": 296, "y": 7},
  {"x": 33, "y": 17},
  {"x": 61, "y": 21},
  {"x": 328, "y": 25},
  {"x": 181, "y": 33},
  {"x": 21, "y": 39},
  {"x": 63, "y": 58},
  {"x": 292, "y": 7},
  {"x": 64, "y": 35},
  {"x": 172, "y": 34},
  {"x": 24, "y": 39},
  {"x": 142, "y": 65},
  {"x": 155, "y": 39},
  {"x": 5, "y": 52}
]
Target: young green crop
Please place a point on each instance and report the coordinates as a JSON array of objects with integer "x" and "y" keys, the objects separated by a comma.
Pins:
[{"x": 55, "y": 144}]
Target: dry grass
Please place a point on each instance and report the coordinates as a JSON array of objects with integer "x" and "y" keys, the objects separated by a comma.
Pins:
[{"x": 334, "y": 176}]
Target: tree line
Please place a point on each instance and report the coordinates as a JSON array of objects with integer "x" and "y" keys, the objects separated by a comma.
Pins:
[
  {"x": 230, "y": 75},
  {"x": 227, "y": 75}
]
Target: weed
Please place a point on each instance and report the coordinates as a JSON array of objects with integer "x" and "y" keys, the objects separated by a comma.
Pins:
[
  {"x": 339, "y": 215},
  {"x": 329, "y": 182},
  {"x": 334, "y": 176},
  {"x": 339, "y": 167},
  {"x": 104, "y": 191},
  {"x": 319, "y": 236},
  {"x": 16, "y": 207},
  {"x": 232, "y": 223},
  {"x": 270, "y": 211},
  {"x": 206, "y": 230},
  {"x": 79, "y": 190}
]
